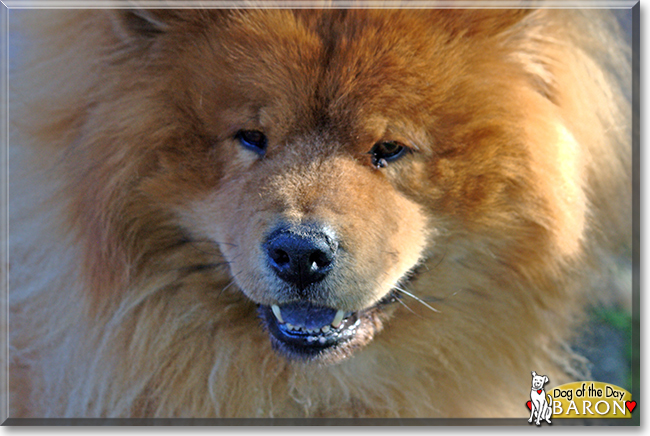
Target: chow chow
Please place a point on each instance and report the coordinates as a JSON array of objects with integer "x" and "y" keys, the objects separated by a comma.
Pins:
[{"x": 310, "y": 213}]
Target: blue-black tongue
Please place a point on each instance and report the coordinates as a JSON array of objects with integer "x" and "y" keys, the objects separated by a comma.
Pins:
[{"x": 307, "y": 315}]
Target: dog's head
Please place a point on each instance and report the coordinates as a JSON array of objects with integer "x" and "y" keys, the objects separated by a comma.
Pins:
[
  {"x": 539, "y": 381},
  {"x": 326, "y": 155}
]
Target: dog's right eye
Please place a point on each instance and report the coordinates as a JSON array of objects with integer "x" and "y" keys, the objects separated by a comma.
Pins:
[
  {"x": 253, "y": 140},
  {"x": 386, "y": 151}
]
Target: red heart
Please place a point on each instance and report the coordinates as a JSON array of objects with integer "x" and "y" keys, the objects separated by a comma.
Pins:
[
  {"x": 630, "y": 405},
  {"x": 529, "y": 404},
  {"x": 539, "y": 391}
]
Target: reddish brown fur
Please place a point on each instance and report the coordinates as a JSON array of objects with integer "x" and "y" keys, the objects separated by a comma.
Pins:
[{"x": 149, "y": 227}]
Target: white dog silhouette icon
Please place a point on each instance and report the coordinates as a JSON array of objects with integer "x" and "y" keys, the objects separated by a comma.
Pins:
[{"x": 539, "y": 408}]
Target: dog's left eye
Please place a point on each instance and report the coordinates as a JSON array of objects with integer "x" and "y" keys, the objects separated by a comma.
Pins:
[
  {"x": 386, "y": 151},
  {"x": 253, "y": 140}
]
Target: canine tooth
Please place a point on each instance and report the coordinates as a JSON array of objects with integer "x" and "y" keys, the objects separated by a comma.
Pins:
[
  {"x": 325, "y": 329},
  {"x": 277, "y": 313},
  {"x": 338, "y": 319}
]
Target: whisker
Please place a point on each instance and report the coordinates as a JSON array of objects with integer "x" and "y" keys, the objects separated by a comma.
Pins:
[
  {"x": 230, "y": 244},
  {"x": 406, "y": 306},
  {"x": 208, "y": 241},
  {"x": 213, "y": 251},
  {"x": 442, "y": 258},
  {"x": 232, "y": 282},
  {"x": 212, "y": 244},
  {"x": 416, "y": 298},
  {"x": 203, "y": 267}
]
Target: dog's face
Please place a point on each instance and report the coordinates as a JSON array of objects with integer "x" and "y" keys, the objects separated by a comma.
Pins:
[
  {"x": 539, "y": 381},
  {"x": 327, "y": 155},
  {"x": 313, "y": 143}
]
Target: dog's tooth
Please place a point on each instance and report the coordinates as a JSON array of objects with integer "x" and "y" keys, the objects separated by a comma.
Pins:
[
  {"x": 276, "y": 311},
  {"x": 322, "y": 340},
  {"x": 325, "y": 329},
  {"x": 290, "y": 326},
  {"x": 338, "y": 319},
  {"x": 311, "y": 338}
]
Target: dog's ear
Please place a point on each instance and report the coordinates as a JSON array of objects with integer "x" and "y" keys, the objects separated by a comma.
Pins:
[
  {"x": 482, "y": 22},
  {"x": 145, "y": 25},
  {"x": 136, "y": 24},
  {"x": 545, "y": 379},
  {"x": 534, "y": 374}
]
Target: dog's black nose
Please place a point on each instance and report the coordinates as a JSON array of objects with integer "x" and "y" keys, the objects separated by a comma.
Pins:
[{"x": 301, "y": 255}]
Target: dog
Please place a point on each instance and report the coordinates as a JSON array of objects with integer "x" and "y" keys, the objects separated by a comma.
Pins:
[
  {"x": 540, "y": 409},
  {"x": 309, "y": 213}
]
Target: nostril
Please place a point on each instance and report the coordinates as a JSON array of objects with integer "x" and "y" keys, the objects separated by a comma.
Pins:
[
  {"x": 319, "y": 260},
  {"x": 280, "y": 257}
]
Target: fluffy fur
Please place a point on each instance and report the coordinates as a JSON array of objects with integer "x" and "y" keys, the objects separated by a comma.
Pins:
[{"x": 137, "y": 218}]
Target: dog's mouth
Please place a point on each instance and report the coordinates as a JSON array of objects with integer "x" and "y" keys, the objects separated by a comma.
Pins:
[{"x": 305, "y": 331}]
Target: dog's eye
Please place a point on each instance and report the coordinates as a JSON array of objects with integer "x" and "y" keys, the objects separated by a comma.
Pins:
[
  {"x": 253, "y": 140},
  {"x": 387, "y": 151}
]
